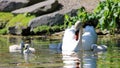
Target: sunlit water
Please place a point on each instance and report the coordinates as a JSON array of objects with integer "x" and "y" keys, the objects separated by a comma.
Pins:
[{"x": 44, "y": 57}]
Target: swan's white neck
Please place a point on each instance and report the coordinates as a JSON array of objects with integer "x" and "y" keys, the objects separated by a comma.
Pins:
[
  {"x": 80, "y": 37},
  {"x": 80, "y": 44}
]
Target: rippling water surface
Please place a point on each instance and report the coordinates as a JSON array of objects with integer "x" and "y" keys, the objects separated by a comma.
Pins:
[{"x": 44, "y": 57}]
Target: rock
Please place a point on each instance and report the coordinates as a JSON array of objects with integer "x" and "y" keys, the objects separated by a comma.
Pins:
[
  {"x": 52, "y": 19},
  {"x": 31, "y": 2},
  {"x": 68, "y": 6},
  {"x": 26, "y": 31},
  {"x": 10, "y": 5},
  {"x": 49, "y": 19},
  {"x": 14, "y": 30},
  {"x": 56, "y": 17},
  {"x": 39, "y": 8}
]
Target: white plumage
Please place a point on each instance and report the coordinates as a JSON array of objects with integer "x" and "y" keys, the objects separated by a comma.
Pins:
[
  {"x": 28, "y": 49},
  {"x": 86, "y": 40},
  {"x": 16, "y": 48},
  {"x": 69, "y": 43},
  {"x": 89, "y": 37}
]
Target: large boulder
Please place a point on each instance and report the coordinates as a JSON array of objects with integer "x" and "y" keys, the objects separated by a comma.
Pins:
[
  {"x": 14, "y": 30},
  {"x": 49, "y": 19},
  {"x": 39, "y": 8},
  {"x": 52, "y": 19},
  {"x": 68, "y": 6},
  {"x": 10, "y": 5}
]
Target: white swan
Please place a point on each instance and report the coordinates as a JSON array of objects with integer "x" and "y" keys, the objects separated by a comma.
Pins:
[
  {"x": 28, "y": 49},
  {"x": 89, "y": 37},
  {"x": 84, "y": 41},
  {"x": 17, "y": 48}
]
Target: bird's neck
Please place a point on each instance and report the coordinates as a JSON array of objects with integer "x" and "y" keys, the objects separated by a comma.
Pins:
[
  {"x": 28, "y": 48},
  {"x": 80, "y": 37}
]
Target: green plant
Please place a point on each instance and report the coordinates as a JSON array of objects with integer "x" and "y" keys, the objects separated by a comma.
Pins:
[
  {"x": 44, "y": 29},
  {"x": 56, "y": 28},
  {"x": 6, "y": 16},
  {"x": 3, "y": 31},
  {"x": 82, "y": 16},
  {"x": 106, "y": 16},
  {"x": 41, "y": 29},
  {"x": 107, "y": 13}
]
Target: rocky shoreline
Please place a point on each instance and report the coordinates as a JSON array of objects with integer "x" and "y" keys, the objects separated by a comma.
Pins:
[{"x": 49, "y": 12}]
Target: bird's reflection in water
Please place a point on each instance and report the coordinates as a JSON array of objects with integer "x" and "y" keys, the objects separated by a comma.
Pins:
[
  {"x": 71, "y": 60},
  {"x": 28, "y": 53},
  {"x": 27, "y": 58},
  {"x": 76, "y": 60},
  {"x": 89, "y": 59}
]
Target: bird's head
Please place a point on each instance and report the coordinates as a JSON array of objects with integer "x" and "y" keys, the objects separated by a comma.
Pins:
[
  {"x": 27, "y": 46},
  {"x": 78, "y": 25}
]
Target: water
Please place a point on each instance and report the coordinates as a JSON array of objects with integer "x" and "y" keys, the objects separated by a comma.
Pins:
[{"x": 51, "y": 58}]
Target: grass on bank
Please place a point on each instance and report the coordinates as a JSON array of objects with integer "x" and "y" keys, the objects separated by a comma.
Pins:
[
  {"x": 20, "y": 20},
  {"x": 5, "y": 17},
  {"x": 8, "y": 19},
  {"x": 47, "y": 29}
]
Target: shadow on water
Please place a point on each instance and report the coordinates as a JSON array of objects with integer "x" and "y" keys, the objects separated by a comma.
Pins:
[{"x": 52, "y": 58}]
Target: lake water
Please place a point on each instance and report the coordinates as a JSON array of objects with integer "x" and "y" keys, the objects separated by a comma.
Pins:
[{"x": 44, "y": 57}]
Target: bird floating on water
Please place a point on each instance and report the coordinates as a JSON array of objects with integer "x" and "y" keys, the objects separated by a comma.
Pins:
[
  {"x": 17, "y": 48},
  {"x": 75, "y": 38},
  {"x": 28, "y": 49}
]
